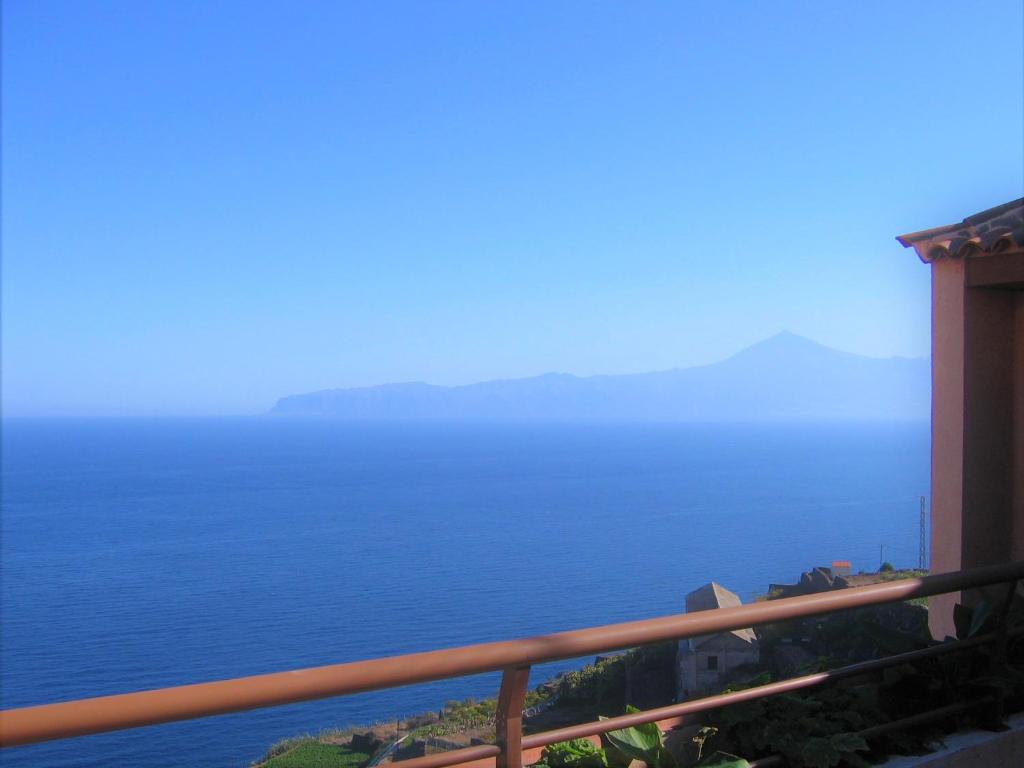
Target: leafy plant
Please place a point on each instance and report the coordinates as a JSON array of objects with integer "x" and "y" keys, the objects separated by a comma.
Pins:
[
  {"x": 820, "y": 729},
  {"x": 987, "y": 614},
  {"x": 640, "y": 742},
  {"x": 577, "y": 753},
  {"x": 809, "y": 731}
]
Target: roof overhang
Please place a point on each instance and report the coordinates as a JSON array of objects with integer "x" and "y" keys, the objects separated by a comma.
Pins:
[{"x": 997, "y": 230}]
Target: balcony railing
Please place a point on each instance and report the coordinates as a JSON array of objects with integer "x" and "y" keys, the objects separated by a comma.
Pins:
[{"x": 29, "y": 725}]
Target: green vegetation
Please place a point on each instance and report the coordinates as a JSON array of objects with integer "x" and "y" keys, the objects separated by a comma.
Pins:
[
  {"x": 602, "y": 687},
  {"x": 899, "y": 575},
  {"x": 592, "y": 685},
  {"x": 459, "y": 717},
  {"x": 808, "y": 730},
  {"x": 577, "y": 753},
  {"x": 817, "y": 728},
  {"x": 643, "y": 742},
  {"x": 308, "y": 752},
  {"x": 586, "y": 692},
  {"x": 903, "y": 573},
  {"x": 821, "y": 728}
]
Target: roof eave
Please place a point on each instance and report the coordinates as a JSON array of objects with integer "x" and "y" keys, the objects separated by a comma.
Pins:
[{"x": 995, "y": 230}]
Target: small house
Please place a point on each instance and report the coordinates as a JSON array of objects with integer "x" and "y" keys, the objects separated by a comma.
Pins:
[
  {"x": 704, "y": 663},
  {"x": 841, "y": 567}
]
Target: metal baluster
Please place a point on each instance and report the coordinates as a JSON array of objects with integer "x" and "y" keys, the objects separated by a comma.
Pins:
[{"x": 509, "y": 720}]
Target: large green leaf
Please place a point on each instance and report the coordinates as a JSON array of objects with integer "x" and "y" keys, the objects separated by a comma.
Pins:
[
  {"x": 980, "y": 618},
  {"x": 641, "y": 742}
]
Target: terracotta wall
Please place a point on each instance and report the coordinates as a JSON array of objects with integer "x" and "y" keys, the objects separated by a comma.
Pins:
[
  {"x": 977, "y": 427},
  {"x": 947, "y": 431},
  {"x": 1017, "y": 549}
]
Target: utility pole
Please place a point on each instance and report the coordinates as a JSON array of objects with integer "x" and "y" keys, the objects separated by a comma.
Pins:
[{"x": 922, "y": 558}]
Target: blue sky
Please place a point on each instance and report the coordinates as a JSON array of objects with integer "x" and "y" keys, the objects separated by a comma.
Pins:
[{"x": 208, "y": 205}]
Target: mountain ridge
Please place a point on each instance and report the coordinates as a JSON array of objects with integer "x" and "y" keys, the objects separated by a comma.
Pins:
[{"x": 785, "y": 376}]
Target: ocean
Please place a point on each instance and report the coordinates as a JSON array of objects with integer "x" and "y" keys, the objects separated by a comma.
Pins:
[{"x": 145, "y": 553}]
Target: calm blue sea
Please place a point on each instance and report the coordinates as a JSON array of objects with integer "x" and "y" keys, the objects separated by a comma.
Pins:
[{"x": 139, "y": 554}]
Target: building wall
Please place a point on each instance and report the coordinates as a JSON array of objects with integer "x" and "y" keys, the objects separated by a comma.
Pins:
[
  {"x": 1017, "y": 548},
  {"x": 947, "y": 431},
  {"x": 977, "y": 427},
  {"x": 696, "y": 679}
]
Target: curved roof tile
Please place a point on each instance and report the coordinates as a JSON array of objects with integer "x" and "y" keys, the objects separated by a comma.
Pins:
[{"x": 996, "y": 230}]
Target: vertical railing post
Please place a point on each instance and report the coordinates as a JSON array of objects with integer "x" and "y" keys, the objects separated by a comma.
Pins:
[
  {"x": 998, "y": 660},
  {"x": 509, "y": 720}
]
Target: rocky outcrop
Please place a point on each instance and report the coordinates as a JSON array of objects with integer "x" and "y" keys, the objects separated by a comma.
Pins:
[
  {"x": 811, "y": 582},
  {"x": 793, "y": 647},
  {"x": 367, "y": 743}
]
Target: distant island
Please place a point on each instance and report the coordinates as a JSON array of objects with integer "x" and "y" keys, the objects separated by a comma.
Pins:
[{"x": 783, "y": 378}]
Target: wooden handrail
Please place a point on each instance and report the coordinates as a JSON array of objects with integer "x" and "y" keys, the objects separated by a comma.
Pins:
[{"x": 48, "y": 722}]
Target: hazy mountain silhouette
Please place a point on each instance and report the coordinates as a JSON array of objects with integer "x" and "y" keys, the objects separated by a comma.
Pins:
[{"x": 785, "y": 377}]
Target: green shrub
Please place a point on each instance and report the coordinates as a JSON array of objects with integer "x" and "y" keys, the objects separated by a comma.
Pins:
[
  {"x": 577, "y": 753},
  {"x": 313, "y": 754}
]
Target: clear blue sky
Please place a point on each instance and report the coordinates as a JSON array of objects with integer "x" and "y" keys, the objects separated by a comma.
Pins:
[{"x": 208, "y": 205}]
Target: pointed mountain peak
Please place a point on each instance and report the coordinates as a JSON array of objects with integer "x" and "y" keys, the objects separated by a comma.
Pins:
[
  {"x": 788, "y": 338},
  {"x": 787, "y": 346}
]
